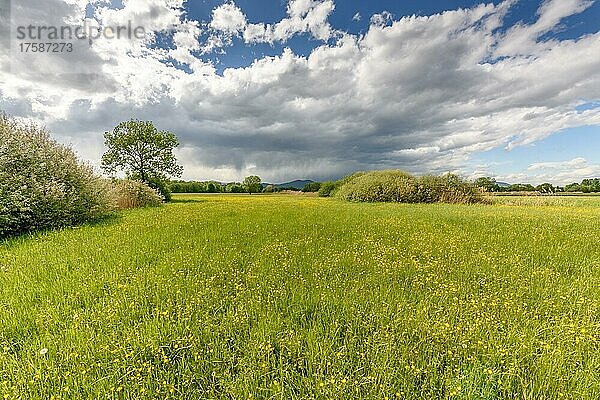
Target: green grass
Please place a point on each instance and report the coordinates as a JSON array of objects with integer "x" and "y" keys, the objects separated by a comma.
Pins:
[
  {"x": 284, "y": 297},
  {"x": 590, "y": 200}
]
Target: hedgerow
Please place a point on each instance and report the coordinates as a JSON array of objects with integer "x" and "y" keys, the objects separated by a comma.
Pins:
[
  {"x": 43, "y": 184},
  {"x": 401, "y": 187}
]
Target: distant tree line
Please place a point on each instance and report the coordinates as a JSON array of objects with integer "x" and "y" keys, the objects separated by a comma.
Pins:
[
  {"x": 251, "y": 184},
  {"x": 586, "y": 186},
  {"x": 488, "y": 184},
  {"x": 312, "y": 187},
  {"x": 179, "y": 186}
]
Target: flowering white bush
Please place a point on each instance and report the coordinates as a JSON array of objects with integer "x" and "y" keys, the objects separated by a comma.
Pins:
[{"x": 43, "y": 184}]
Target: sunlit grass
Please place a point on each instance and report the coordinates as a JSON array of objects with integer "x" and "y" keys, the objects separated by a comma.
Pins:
[
  {"x": 592, "y": 200},
  {"x": 294, "y": 297}
]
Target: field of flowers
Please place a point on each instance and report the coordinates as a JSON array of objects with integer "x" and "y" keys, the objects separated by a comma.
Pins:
[{"x": 290, "y": 297}]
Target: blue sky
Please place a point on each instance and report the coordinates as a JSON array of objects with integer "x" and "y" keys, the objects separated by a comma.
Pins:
[
  {"x": 294, "y": 89},
  {"x": 342, "y": 18},
  {"x": 564, "y": 145}
]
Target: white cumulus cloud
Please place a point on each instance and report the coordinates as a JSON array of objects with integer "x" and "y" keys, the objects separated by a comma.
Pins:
[{"x": 304, "y": 16}]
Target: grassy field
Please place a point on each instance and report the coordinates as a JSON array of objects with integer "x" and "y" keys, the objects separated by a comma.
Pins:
[{"x": 282, "y": 297}]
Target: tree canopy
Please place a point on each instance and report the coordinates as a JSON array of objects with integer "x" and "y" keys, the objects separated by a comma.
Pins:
[
  {"x": 487, "y": 184},
  {"x": 139, "y": 149},
  {"x": 253, "y": 184}
]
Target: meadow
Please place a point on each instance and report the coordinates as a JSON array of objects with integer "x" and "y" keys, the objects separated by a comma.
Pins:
[{"x": 291, "y": 297}]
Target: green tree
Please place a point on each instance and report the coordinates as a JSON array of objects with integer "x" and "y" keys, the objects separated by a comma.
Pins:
[
  {"x": 312, "y": 187},
  {"x": 593, "y": 185},
  {"x": 327, "y": 188},
  {"x": 487, "y": 184},
  {"x": 140, "y": 150},
  {"x": 253, "y": 184},
  {"x": 521, "y": 187},
  {"x": 234, "y": 187},
  {"x": 573, "y": 187},
  {"x": 545, "y": 188}
]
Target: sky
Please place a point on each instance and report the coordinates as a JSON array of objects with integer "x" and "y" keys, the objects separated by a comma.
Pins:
[{"x": 317, "y": 89}]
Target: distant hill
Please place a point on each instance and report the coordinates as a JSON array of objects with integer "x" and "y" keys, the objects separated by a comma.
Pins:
[{"x": 297, "y": 184}]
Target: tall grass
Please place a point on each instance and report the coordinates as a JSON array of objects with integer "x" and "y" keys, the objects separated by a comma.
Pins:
[{"x": 306, "y": 298}]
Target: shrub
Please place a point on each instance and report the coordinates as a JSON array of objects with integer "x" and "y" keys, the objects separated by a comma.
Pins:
[
  {"x": 380, "y": 186},
  {"x": 401, "y": 187},
  {"x": 429, "y": 188},
  {"x": 327, "y": 189},
  {"x": 457, "y": 190},
  {"x": 311, "y": 187},
  {"x": 133, "y": 194},
  {"x": 349, "y": 178},
  {"x": 42, "y": 183},
  {"x": 269, "y": 189},
  {"x": 162, "y": 187}
]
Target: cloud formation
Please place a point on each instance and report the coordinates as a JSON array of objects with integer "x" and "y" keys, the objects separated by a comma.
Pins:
[
  {"x": 419, "y": 93},
  {"x": 381, "y": 19},
  {"x": 304, "y": 16}
]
